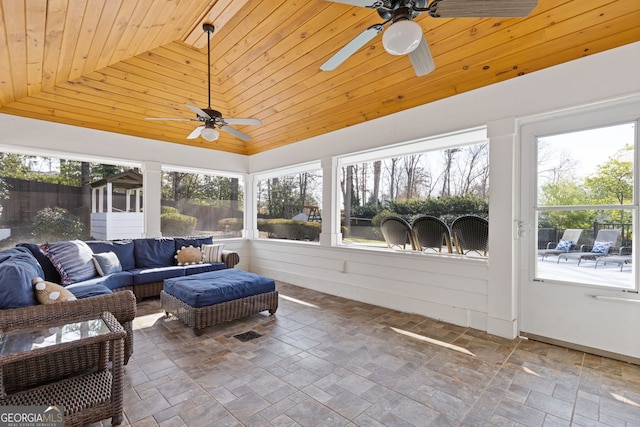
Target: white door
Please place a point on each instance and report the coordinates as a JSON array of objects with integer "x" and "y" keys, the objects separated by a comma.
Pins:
[{"x": 579, "y": 175}]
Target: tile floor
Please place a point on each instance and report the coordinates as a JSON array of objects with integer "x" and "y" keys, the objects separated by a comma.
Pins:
[{"x": 328, "y": 361}]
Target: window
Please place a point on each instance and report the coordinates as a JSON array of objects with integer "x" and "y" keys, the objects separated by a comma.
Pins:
[
  {"x": 51, "y": 199},
  {"x": 446, "y": 177},
  {"x": 196, "y": 203},
  {"x": 289, "y": 203},
  {"x": 585, "y": 205}
]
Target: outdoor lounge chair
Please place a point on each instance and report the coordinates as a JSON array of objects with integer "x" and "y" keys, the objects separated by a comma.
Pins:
[
  {"x": 397, "y": 232},
  {"x": 431, "y": 233},
  {"x": 623, "y": 257},
  {"x": 567, "y": 242},
  {"x": 604, "y": 243},
  {"x": 470, "y": 233}
]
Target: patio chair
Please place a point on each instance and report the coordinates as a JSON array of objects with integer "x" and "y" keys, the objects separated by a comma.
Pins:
[
  {"x": 397, "y": 233},
  {"x": 604, "y": 243},
  {"x": 567, "y": 242},
  {"x": 623, "y": 257},
  {"x": 470, "y": 233},
  {"x": 431, "y": 233}
]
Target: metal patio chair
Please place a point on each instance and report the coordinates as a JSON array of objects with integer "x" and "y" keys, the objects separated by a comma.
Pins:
[
  {"x": 605, "y": 241},
  {"x": 568, "y": 242},
  {"x": 470, "y": 234},
  {"x": 431, "y": 233},
  {"x": 397, "y": 233}
]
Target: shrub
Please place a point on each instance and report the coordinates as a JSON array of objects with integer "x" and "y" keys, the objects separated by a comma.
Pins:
[
  {"x": 176, "y": 224},
  {"x": 291, "y": 229},
  {"x": 58, "y": 224},
  {"x": 383, "y": 213},
  {"x": 167, "y": 209}
]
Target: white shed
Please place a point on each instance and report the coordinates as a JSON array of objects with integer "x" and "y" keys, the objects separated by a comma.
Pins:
[{"x": 125, "y": 221}]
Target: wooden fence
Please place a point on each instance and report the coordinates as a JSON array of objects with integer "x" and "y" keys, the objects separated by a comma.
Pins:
[{"x": 26, "y": 198}]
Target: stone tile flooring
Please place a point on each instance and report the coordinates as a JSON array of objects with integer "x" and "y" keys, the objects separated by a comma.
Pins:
[{"x": 328, "y": 361}]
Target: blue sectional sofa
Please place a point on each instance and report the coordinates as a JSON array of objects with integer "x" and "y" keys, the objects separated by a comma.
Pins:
[{"x": 145, "y": 263}]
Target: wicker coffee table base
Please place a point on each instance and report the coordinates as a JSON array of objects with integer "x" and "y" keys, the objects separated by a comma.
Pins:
[{"x": 200, "y": 318}]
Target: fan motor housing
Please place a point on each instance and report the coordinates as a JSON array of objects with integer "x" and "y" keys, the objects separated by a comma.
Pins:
[{"x": 388, "y": 13}]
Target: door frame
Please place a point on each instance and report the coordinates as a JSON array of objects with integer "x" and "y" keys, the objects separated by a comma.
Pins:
[{"x": 597, "y": 316}]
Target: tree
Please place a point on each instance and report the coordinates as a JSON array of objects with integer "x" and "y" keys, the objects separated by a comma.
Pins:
[
  {"x": 375, "y": 196},
  {"x": 564, "y": 193},
  {"x": 412, "y": 171},
  {"x": 613, "y": 184},
  {"x": 448, "y": 156}
]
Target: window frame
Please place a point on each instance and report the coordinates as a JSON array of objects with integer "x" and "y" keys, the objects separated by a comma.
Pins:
[
  {"x": 312, "y": 166},
  {"x": 582, "y": 119},
  {"x": 434, "y": 143}
]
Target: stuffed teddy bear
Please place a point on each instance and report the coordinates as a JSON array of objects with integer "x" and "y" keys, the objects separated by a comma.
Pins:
[
  {"x": 188, "y": 255},
  {"x": 50, "y": 293}
]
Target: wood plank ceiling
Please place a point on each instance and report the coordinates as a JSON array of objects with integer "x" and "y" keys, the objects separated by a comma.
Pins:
[{"x": 108, "y": 64}]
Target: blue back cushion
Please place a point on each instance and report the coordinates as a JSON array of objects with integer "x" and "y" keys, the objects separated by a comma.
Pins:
[
  {"x": 18, "y": 267},
  {"x": 50, "y": 272},
  {"x": 150, "y": 253},
  {"x": 124, "y": 249},
  {"x": 196, "y": 242}
]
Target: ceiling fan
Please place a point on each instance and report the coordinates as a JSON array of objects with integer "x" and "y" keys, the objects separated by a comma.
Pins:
[
  {"x": 210, "y": 118},
  {"x": 405, "y": 37}
]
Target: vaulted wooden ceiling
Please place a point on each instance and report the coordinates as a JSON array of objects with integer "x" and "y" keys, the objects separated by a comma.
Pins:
[{"x": 108, "y": 64}]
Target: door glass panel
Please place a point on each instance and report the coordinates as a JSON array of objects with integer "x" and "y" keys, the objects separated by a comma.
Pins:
[{"x": 586, "y": 209}]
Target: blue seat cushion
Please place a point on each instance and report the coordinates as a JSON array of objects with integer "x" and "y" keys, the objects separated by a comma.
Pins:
[
  {"x": 18, "y": 268},
  {"x": 203, "y": 268},
  {"x": 86, "y": 290},
  {"x": 112, "y": 281},
  {"x": 149, "y": 275},
  {"x": 205, "y": 289}
]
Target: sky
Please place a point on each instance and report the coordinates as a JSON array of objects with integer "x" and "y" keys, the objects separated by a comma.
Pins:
[{"x": 591, "y": 148}]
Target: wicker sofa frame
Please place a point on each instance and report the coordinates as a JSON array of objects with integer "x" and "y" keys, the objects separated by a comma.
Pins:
[
  {"x": 200, "y": 318},
  {"x": 121, "y": 304}
]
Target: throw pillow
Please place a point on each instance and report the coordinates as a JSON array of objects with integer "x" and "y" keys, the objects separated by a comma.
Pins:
[
  {"x": 50, "y": 293},
  {"x": 107, "y": 263},
  {"x": 564, "y": 245},
  {"x": 73, "y": 259},
  {"x": 601, "y": 247},
  {"x": 188, "y": 255},
  {"x": 212, "y": 253}
]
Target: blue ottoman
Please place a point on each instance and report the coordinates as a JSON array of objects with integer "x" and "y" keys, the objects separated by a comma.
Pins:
[{"x": 206, "y": 299}]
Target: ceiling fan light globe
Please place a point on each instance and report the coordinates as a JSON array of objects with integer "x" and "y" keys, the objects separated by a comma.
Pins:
[
  {"x": 210, "y": 134},
  {"x": 402, "y": 37}
]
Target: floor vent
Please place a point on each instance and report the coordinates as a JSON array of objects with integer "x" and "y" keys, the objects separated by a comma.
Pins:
[{"x": 247, "y": 336}]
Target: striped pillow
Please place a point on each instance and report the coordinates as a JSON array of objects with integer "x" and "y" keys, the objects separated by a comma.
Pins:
[
  {"x": 72, "y": 259},
  {"x": 212, "y": 253}
]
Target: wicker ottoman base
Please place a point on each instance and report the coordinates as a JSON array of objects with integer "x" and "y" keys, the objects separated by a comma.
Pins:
[{"x": 200, "y": 318}]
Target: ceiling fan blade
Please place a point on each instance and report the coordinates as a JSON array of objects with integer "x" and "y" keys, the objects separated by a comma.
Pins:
[
  {"x": 198, "y": 111},
  {"x": 421, "y": 59},
  {"x": 482, "y": 8},
  {"x": 254, "y": 122},
  {"x": 350, "y": 48},
  {"x": 369, "y": 4},
  {"x": 169, "y": 118},
  {"x": 195, "y": 133},
  {"x": 235, "y": 132}
]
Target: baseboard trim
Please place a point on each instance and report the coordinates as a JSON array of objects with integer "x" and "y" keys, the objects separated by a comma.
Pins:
[{"x": 583, "y": 348}]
